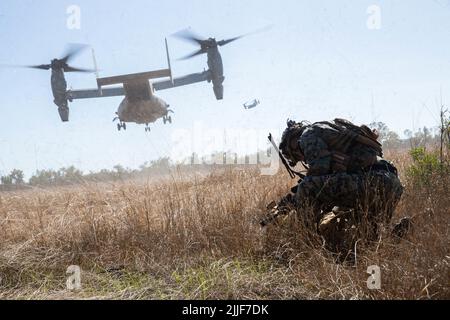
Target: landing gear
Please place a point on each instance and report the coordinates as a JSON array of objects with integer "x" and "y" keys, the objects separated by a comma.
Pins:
[
  {"x": 167, "y": 119},
  {"x": 121, "y": 125}
]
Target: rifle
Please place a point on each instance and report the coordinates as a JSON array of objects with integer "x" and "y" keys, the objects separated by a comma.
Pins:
[
  {"x": 291, "y": 172},
  {"x": 287, "y": 203}
]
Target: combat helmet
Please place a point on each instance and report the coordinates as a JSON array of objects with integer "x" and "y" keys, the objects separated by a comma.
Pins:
[{"x": 288, "y": 144}]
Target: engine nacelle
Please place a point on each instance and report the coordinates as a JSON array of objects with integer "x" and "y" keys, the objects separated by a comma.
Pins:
[
  {"x": 64, "y": 113},
  {"x": 216, "y": 71},
  {"x": 218, "y": 91},
  {"x": 59, "y": 90}
]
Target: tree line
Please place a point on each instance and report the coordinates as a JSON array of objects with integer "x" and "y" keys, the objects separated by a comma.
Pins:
[
  {"x": 71, "y": 175},
  {"x": 423, "y": 137}
]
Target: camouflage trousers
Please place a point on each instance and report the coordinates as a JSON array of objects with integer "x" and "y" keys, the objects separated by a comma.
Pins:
[{"x": 369, "y": 197}]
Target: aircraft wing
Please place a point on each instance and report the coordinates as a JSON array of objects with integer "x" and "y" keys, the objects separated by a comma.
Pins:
[
  {"x": 133, "y": 90},
  {"x": 121, "y": 91},
  {"x": 183, "y": 81},
  {"x": 95, "y": 93},
  {"x": 135, "y": 86}
]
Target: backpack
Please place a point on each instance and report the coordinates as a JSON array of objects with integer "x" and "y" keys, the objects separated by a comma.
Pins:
[{"x": 354, "y": 148}]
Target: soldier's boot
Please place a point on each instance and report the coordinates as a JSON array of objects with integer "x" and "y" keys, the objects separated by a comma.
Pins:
[
  {"x": 338, "y": 230},
  {"x": 402, "y": 228}
]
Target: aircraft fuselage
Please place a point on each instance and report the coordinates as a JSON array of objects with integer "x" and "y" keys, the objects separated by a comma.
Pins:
[{"x": 142, "y": 111}]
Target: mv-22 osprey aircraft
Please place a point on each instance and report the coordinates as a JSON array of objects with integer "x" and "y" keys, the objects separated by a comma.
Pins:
[{"x": 140, "y": 104}]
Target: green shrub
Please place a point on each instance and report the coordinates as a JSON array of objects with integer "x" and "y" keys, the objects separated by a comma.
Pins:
[{"x": 426, "y": 167}]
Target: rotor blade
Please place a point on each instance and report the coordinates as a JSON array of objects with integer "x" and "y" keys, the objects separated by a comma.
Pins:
[
  {"x": 224, "y": 42},
  {"x": 72, "y": 69},
  {"x": 41, "y": 66},
  {"x": 196, "y": 53},
  {"x": 188, "y": 35},
  {"x": 72, "y": 50}
]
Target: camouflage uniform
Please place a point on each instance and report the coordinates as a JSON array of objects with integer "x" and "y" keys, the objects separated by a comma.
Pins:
[
  {"x": 368, "y": 180},
  {"x": 352, "y": 177}
]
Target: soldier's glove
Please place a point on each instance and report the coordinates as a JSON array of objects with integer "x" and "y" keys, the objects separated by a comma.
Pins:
[{"x": 283, "y": 207}]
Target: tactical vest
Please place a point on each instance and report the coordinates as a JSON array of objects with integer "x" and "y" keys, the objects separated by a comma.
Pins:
[{"x": 354, "y": 148}]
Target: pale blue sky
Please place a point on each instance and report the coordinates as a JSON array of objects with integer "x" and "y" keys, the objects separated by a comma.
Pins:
[{"x": 319, "y": 61}]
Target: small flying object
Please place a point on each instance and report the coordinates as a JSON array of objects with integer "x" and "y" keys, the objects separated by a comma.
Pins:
[{"x": 251, "y": 104}]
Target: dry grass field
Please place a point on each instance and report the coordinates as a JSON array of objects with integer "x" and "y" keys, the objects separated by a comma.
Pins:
[{"x": 199, "y": 238}]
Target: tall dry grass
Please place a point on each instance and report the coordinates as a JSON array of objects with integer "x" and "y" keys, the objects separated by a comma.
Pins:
[{"x": 199, "y": 238}]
